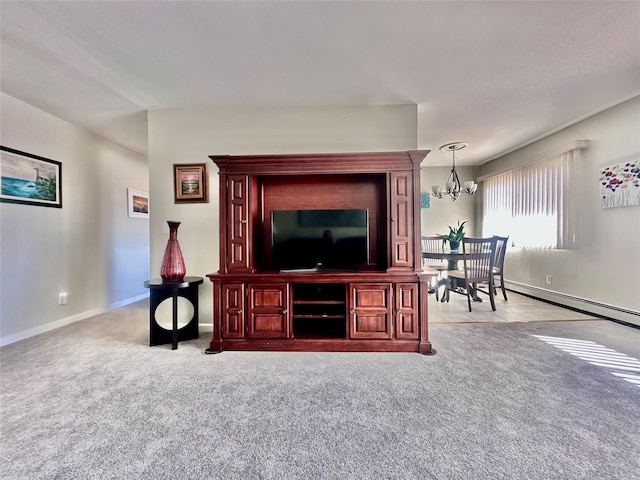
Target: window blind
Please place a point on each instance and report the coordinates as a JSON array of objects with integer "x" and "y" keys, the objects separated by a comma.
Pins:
[{"x": 535, "y": 205}]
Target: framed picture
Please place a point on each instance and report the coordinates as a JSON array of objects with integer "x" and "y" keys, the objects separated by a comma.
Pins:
[
  {"x": 190, "y": 183},
  {"x": 425, "y": 200},
  {"x": 138, "y": 203},
  {"x": 30, "y": 179},
  {"x": 620, "y": 185}
]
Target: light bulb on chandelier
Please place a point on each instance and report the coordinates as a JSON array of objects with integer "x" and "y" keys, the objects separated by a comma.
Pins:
[{"x": 454, "y": 187}]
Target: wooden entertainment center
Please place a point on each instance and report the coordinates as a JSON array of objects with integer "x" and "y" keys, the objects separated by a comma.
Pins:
[{"x": 373, "y": 299}]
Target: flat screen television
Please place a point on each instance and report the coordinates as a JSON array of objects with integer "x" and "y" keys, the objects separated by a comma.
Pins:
[{"x": 320, "y": 239}]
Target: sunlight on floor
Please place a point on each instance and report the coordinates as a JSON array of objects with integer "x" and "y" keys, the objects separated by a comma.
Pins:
[{"x": 600, "y": 356}]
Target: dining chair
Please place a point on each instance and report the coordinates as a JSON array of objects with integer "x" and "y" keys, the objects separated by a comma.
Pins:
[
  {"x": 498, "y": 263},
  {"x": 435, "y": 244},
  {"x": 478, "y": 256}
]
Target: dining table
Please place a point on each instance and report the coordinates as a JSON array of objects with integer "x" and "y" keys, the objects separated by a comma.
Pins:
[{"x": 452, "y": 259}]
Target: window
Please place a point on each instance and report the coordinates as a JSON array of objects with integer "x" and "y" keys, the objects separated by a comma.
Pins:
[{"x": 536, "y": 204}]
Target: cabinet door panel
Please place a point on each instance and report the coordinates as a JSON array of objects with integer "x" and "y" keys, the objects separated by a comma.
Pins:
[
  {"x": 371, "y": 325},
  {"x": 370, "y": 310},
  {"x": 401, "y": 225},
  {"x": 233, "y": 310},
  {"x": 237, "y": 222},
  {"x": 267, "y": 325},
  {"x": 268, "y": 311},
  {"x": 406, "y": 305}
]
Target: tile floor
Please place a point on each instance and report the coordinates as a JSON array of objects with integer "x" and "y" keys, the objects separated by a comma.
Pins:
[{"x": 519, "y": 308}]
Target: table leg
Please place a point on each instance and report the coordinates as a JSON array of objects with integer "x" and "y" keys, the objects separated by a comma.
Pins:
[{"x": 174, "y": 333}]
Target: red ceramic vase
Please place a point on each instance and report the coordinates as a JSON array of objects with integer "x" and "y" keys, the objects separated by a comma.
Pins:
[{"x": 173, "y": 269}]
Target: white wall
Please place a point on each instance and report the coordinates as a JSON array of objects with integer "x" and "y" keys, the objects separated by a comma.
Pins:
[
  {"x": 190, "y": 136},
  {"x": 606, "y": 269},
  {"x": 444, "y": 211},
  {"x": 93, "y": 250},
  {"x": 90, "y": 247}
]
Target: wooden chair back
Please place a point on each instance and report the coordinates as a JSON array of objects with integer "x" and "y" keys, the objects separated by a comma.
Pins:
[
  {"x": 498, "y": 267},
  {"x": 478, "y": 256},
  {"x": 435, "y": 244},
  {"x": 501, "y": 250},
  {"x": 432, "y": 244}
]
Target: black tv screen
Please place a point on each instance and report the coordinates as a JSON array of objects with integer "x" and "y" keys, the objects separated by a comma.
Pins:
[{"x": 322, "y": 239}]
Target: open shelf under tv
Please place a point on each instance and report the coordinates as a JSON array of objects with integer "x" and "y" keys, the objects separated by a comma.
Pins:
[{"x": 319, "y": 310}]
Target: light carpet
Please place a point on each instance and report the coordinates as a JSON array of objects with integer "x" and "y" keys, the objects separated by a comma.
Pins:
[{"x": 93, "y": 400}]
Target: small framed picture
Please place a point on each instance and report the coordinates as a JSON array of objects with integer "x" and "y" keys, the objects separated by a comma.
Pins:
[
  {"x": 138, "y": 203},
  {"x": 190, "y": 183},
  {"x": 29, "y": 179}
]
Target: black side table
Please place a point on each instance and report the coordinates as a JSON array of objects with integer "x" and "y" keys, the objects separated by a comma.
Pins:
[{"x": 160, "y": 291}]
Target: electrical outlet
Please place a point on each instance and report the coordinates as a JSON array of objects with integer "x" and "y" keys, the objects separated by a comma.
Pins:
[
  {"x": 547, "y": 279},
  {"x": 63, "y": 298}
]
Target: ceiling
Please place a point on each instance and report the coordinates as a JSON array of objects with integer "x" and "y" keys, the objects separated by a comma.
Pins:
[{"x": 497, "y": 75}]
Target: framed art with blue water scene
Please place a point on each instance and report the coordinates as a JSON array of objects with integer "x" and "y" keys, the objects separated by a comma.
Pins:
[{"x": 30, "y": 179}]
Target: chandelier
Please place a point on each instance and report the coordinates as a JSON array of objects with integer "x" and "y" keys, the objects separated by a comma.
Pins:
[{"x": 453, "y": 187}]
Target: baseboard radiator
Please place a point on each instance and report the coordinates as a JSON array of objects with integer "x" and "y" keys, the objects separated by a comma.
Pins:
[{"x": 586, "y": 305}]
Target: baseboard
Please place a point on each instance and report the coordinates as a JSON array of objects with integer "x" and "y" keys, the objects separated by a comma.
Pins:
[
  {"x": 612, "y": 312},
  {"x": 128, "y": 301},
  {"x": 592, "y": 307},
  {"x": 67, "y": 321}
]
